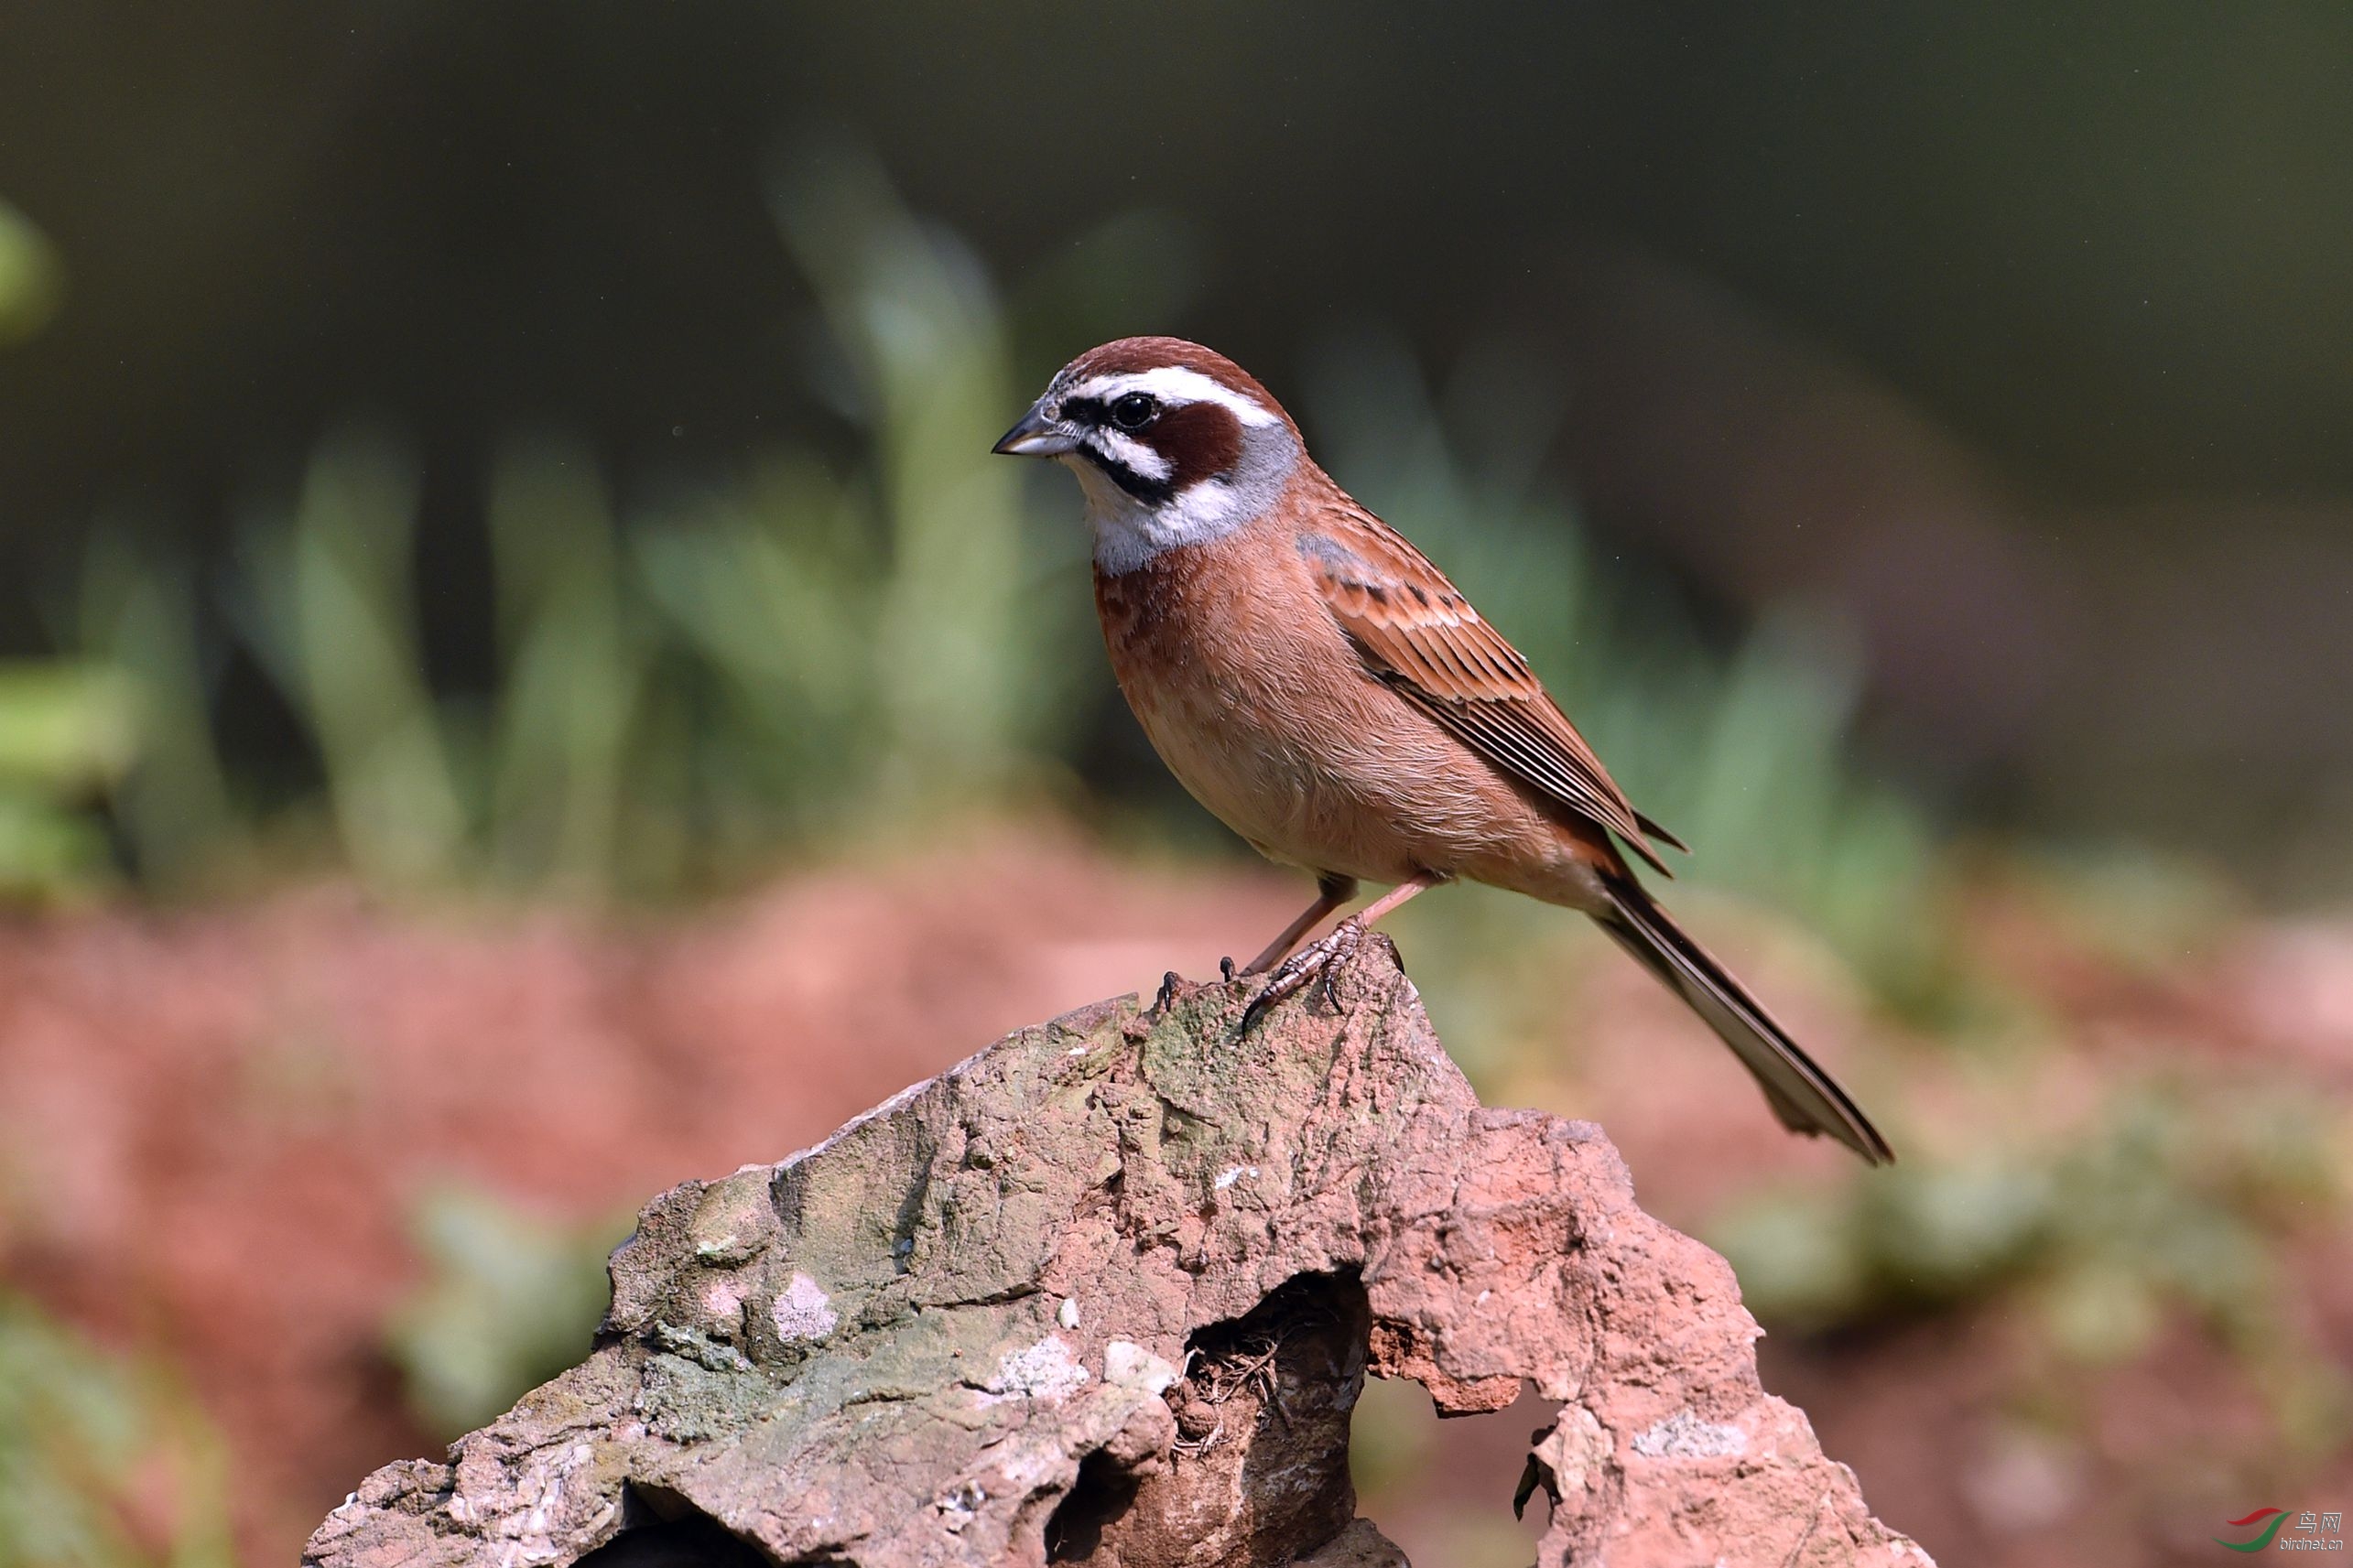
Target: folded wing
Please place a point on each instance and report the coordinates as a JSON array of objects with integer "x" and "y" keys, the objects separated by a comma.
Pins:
[{"x": 1417, "y": 632}]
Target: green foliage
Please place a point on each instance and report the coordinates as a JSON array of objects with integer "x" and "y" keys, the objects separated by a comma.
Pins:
[
  {"x": 334, "y": 618},
  {"x": 63, "y": 727},
  {"x": 32, "y": 278},
  {"x": 817, "y": 648},
  {"x": 104, "y": 1461},
  {"x": 873, "y": 638},
  {"x": 577, "y": 654},
  {"x": 964, "y": 678},
  {"x": 135, "y": 617},
  {"x": 2162, "y": 1201},
  {"x": 509, "y": 1302},
  {"x": 67, "y": 733}
]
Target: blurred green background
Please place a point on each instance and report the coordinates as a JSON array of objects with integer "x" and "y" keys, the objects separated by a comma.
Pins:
[{"x": 518, "y": 474}]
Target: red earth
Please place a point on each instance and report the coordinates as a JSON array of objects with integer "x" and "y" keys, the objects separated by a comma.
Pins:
[{"x": 215, "y": 1124}]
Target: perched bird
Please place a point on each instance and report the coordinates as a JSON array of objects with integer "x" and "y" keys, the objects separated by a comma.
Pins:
[{"x": 1320, "y": 686}]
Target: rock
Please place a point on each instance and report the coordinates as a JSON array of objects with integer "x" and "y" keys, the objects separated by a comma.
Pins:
[{"x": 1106, "y": 1293}]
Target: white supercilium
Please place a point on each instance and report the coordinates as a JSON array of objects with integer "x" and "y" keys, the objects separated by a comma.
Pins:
[
  {"x": 1175, "y": 384},
  {"x": 1131, "y": 530}
]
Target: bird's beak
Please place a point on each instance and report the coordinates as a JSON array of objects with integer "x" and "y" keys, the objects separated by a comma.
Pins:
[{"x": 1036, "y": 437}]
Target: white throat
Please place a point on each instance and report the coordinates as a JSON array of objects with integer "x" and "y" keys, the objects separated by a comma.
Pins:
[{"x": 1128, "y": 532}]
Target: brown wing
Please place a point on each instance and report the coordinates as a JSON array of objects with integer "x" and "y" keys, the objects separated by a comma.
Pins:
[{"x": 1418, "y": 634}]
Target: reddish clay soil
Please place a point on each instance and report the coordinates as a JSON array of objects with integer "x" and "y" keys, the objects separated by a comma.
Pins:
[{"x": 213, "y": 1127}]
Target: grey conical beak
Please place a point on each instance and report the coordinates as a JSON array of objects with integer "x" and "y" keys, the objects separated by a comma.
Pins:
[{"x": 1037, "y": 435}]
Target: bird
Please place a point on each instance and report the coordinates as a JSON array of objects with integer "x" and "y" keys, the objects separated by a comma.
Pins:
[{"x": 1321, "y": 688}]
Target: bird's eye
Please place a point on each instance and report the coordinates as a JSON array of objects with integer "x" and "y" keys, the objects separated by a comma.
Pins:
[{"x": 1135, "y": 411}]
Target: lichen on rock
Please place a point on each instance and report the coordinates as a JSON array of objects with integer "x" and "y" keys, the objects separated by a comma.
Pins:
[{"x": 1106, "y": 1293}]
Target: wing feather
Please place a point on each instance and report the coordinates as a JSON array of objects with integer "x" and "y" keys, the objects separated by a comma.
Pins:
[{"x": 1417, "y": 632}]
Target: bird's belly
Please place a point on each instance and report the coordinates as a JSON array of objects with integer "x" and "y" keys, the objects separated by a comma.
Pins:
[
  {"x": 1345, "y": 781},
  {"x": 1287, "y": 794}
]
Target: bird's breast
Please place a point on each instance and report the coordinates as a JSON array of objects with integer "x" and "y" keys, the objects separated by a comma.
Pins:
[
  {"x": 1190, "y": 645},
  {"x": 1265, "y": 711}
]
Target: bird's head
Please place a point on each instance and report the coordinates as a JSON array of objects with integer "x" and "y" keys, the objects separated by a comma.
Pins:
[{"x": 1173, "y": 443}]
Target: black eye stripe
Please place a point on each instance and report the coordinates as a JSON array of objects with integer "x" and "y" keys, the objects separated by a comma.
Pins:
[
  {"x": 1148, "y": 490},
  {"x": 1142, "y": 486},
  {"x": 1101, "y": 410}
]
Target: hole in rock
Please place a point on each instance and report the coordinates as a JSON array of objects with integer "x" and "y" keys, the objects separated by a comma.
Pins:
[
  {"x": 1104, "y": 1491},
  {"x": 1261, "y": 1420},
  {"x": 1278, "y": 1381},
  {"x": 661, "y": 1530},
  {"x": 1440, "y": 1487}
]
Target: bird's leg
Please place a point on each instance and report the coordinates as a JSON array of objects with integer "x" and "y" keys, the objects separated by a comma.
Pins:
[
  {"x": 1395, "y": 896},
  {"x": 1326, "y": 956},
  {"x": 1331, "y": 891}
]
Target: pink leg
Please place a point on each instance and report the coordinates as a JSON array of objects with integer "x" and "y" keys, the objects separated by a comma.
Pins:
[
  {"x": 1395, "y": 896},
  {"x": 1330, "y": 893}
]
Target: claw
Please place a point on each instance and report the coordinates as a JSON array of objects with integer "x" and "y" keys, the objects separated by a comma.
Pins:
[{"x": 1318, "y": 961}]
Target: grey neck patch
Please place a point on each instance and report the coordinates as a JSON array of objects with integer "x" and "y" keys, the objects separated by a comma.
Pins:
[{"x": 1130, "y": 532}]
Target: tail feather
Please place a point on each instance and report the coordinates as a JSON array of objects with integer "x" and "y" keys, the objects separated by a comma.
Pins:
[
  {"x": 1651, "y": 829},
  {"x": 1802, "y": 1095}
]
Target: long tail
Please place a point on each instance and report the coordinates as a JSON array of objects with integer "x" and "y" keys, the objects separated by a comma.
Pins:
[{"x": 1802, "y": 1095}]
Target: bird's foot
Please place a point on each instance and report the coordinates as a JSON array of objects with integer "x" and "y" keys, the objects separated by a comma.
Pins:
[
  {"x": 1169, "y": 983},
  {"x": 1318, "y": 960}
]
